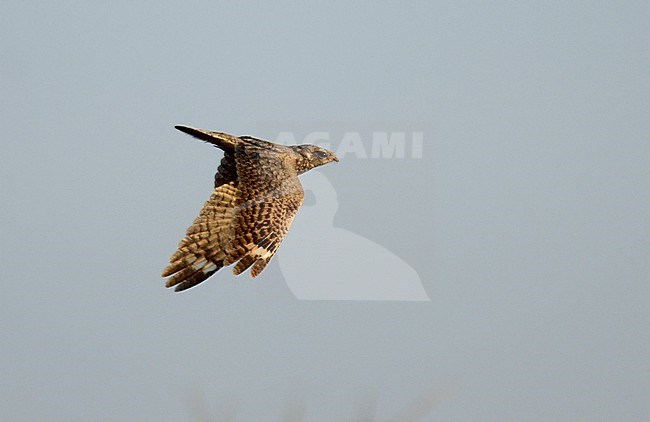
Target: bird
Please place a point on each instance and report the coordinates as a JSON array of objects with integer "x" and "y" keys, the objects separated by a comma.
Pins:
[{"x": 256, "y": 196}]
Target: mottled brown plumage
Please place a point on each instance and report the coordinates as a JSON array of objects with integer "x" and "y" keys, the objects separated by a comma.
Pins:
[{"x": 255, "y": 199}]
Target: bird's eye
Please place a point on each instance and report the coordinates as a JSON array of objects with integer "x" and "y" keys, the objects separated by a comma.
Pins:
[{"x": 321, "y": 154}]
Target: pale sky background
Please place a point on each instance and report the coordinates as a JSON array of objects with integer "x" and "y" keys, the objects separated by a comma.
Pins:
[{"x": 527, "y": 218}]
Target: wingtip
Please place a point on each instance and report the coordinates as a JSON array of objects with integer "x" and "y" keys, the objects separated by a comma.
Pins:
[
  {"x": 222, "y": 140},
  {"x": 185, "y": 129}
]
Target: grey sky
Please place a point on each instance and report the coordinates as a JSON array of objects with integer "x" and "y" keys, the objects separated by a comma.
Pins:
[{"x": 526, "y": 218}]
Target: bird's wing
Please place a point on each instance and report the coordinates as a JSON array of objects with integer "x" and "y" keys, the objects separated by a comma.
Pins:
[
  {"x": 270, "y": 197},
  {"x": 256, "y": 197},
  {"x": 219, "y": 139},
  {"x": 204, "y": 248}
]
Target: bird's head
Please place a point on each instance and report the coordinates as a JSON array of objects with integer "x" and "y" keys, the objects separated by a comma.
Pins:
[{"x": 312, "y": 156}]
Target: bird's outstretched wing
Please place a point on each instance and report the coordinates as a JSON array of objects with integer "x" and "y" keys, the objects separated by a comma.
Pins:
[
  {"x": 222, "y": 140},
  {"x": 255, "y": 200},
  {"x": 204, "y": 249}
]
